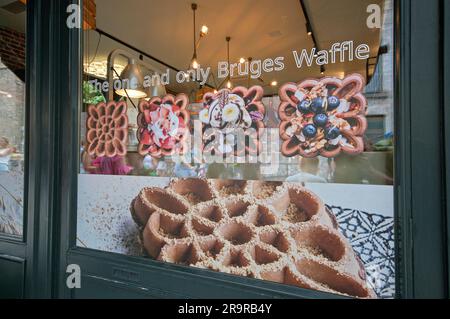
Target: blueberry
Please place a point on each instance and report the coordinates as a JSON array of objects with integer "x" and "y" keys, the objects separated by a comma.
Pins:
[
  {"x": 317, "y": 105},
  {"x": 332, "y": 133},
  {"x": 304, "y": 106},
  {"x": 309, "y": 131},
  {"x": 333, "y": 102},
  {"x": 320, "y": 119}
]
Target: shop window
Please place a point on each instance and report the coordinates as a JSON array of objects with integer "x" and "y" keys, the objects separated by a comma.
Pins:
[
  {"x": 243, "y": 143},
  {"x": 12, "y": 116}
]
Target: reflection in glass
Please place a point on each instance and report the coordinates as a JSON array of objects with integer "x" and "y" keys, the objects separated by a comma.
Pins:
[
  {"x": 270, "y": 67},
  {"x": 12, "y": 119},
  {"x": 306, "y": 85}
]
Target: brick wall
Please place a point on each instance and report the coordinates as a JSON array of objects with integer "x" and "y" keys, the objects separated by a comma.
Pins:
[{"x": 12, "y": 49}]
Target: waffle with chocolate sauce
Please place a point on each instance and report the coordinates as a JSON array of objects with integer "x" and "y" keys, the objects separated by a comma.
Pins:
[{"x": 273, "y": 231}]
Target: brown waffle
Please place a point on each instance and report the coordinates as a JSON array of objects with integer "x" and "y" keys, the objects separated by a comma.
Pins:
[
  {"x": 267, "y": 230},
  {"x": 107, "y": 129},
  {"x": 350, "y": 121},
  {"x": 159, "y": 113},
  {"x": 249, "y": 121}
]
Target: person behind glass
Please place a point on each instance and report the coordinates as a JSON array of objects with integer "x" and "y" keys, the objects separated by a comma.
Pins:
[
  {"x": 5, "y": 154},
  {"x": 111, "y": 165},
  {"x": 86, "y": 166}
]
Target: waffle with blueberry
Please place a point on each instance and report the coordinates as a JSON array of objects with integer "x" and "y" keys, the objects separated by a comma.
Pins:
[{"x": 323, "y": 117}]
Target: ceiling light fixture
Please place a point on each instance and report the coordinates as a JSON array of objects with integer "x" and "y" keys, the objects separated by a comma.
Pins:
[
  {"x": 322, "y": 69},
  {"x": 157, "y": 90},
  {"x": 194, "y": 62},
  {"x": 203, "y": 32},
  {"x": 308, "y": 28},
  {"x": 131, "y": 78},
  {"x": 132, "y": 74},
  {"x": 250, "y": 59},
  {"x": 274, "y": 83},
  {"x": 229, "y": 84},
  {"x": 242, "y": 60}
]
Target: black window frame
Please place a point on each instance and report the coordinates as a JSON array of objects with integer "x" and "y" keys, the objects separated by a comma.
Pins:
[{"x": 54, "y": 56}]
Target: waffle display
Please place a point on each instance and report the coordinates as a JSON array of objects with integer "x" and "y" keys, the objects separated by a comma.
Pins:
[
  {"x": 323, "y": 117},
  {"x": 163, "y": 126},
  {"x": 107, "y": 129},
  {"x": 273, "y": 231},
  {"x": 229, "y": 113}
]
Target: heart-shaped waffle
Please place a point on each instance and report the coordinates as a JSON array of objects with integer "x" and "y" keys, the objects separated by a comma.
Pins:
[
  {"x": 107, "y": 129},
  {"x": 163, "y": 126},
  {"x": 273, "y": 231},
  {"x": 228, "y": 113},
  {"x": 323, "y": 117}
]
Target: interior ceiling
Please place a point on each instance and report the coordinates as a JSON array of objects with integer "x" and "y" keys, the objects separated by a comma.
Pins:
[{"x": 259, "y": 29}]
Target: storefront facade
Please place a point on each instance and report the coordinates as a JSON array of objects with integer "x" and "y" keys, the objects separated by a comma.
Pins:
[{"x": 365, "y": 174}]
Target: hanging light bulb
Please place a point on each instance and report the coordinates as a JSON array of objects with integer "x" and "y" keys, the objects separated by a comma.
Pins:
[
  {"x": 242, "y": 60},
  {"x": 228, "y": 39},
  {"x": 194, "y": 62},
  {"x": 204, "y": 31},
  {"x": 308, "y": 29},
  {"x": 274, "y": 83},
  {"x": 322, "y": 70}
]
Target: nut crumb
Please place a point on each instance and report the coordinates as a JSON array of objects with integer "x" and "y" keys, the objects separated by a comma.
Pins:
[{"x": 295, "y": 215}]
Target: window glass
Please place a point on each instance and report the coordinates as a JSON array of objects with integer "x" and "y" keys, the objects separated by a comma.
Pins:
[
  {"x": 251, "y": 139},
  {"x": 12, "y": 115}
]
